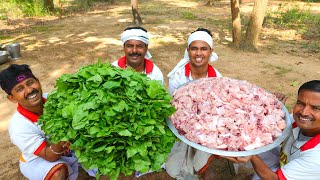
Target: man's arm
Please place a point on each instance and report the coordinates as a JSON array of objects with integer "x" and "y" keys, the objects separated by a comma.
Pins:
[
  {"x": 262, "y": 169},
  {"x": 259, "y": 166},
  {"x": 53, "y": 152}
]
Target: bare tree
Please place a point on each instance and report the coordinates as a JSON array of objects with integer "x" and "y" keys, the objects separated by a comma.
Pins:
[
  {"x": 236, "y": 22},
  {"x": 48, "y": 4},
  {"x": 210, "y": 3},
  {"x": 255, "y": 25},
  {"x": 136, "y": 16}
]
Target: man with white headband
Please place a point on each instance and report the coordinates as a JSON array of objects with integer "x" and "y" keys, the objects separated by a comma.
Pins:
[
  {"x": 195, "y": 63},
  {"x": 135, "y": 45},
  {"x": 185, "y": 162}
]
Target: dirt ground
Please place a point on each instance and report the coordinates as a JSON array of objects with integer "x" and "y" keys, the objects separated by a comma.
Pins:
[{"x": 53, "y": 46}]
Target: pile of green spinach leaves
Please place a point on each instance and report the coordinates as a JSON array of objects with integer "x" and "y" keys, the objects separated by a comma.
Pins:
[{"x": 114, "y": 118}]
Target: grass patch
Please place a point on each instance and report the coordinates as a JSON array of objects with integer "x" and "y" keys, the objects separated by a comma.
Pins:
[
  {"x": 279, "y": 70},
  {"x": 188, "y": 15},
  {"x": 312, "y": 46},
  {"x": 47, "y": 28},
  {"x": 157, "y": 9},
  {"x": 3, "y": 37}
]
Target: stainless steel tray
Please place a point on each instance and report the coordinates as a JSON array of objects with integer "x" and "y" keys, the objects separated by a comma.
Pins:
[{"x": 268, "y": 147}]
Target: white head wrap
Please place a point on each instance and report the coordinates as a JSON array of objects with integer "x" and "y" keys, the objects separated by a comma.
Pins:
[
  {"x": 196, "y": 36},
  {"x": 136, "y": 34},
  {"x": 201, "y": 36}
]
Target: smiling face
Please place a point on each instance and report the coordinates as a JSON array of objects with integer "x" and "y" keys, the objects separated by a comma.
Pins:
[
  {"x": 135, "y": 51},
  {"x": 306, "y": 112},
  {"x": 28, "y": 94},
  {"x": 199, "y": 53}
]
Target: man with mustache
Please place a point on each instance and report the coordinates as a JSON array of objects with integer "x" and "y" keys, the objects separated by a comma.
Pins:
[
  {"x": 135, "y": 45},
  {"x": 39, "y": 159},
  {"x": 299, "y": 155}
]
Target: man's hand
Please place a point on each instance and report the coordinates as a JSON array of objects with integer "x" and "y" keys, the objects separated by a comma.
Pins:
[
  {"x": 281, "y": 97},
  {"x": 53, "y": 152},
  {"x": 238, "y": 160},
  {"x": 64, "y": 144}
]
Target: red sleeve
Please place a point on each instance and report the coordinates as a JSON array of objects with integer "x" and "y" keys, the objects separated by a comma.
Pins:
[
  {"x": 280, "y": 175},
  {"x": 42, "y": 145}
]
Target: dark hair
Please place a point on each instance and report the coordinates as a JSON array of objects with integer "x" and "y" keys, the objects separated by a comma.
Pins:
[
  {"x": 313, "y": 85},
  {"x": 10, "y": 77},
  {"x": 203, "y": 29},
  {"x": 136, "y": 27}
]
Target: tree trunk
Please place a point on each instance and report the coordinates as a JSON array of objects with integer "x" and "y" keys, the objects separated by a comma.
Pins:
[
  {"x": 48, "y": 4},
  {"x": 136, "y": 16},
  {"x": 236, "y": 23},
  {"x": 210, "y": 3},
  {"x": 255, "y": 24}
]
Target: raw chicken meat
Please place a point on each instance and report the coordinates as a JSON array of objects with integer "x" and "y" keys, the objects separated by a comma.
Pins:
[{"x": 229, "y": 114}]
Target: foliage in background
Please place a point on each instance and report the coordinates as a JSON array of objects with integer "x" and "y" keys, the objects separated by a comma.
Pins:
[
  {"x": 30, "y": 7},
  {"x": 114, "y": 118},
  {"x": 296, "y": 17}
]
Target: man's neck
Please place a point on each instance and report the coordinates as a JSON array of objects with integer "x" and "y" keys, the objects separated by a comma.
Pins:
[
  {"x": 310, "y": 133},
  {"x": 137, "y": 67},
  {"x": 36, "y": 110},
  {"x": 198, "y": 72}
]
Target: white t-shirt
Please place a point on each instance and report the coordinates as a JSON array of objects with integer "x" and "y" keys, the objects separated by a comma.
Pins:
[
  {"x": 151, "y": 70},
  {"x": 183, "y": 75},
  {"x": 300, "y": 156},
  {"x": 184, "y": 160},
  {"x": 26, "y": 134}
]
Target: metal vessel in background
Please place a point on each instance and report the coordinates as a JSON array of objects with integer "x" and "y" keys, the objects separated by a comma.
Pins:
[
  {"x": 3, "y": 57},
  {"x": 14, "y": 51}
]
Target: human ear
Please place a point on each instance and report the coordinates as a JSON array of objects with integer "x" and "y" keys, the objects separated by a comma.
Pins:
[{"x": 11, "y": 98}]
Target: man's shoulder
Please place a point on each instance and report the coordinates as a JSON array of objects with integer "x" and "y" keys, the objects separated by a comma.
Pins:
[
  {"x": 45, "y": 95},
  {"x": 17, "y": 121},
  {"x": 178, "y": 74},
  {"x": 156, "y": 68},
  {"x": 115, "y": 63}
]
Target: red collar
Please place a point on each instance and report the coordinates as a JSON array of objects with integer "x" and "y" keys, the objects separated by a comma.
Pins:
[
  {"x": 313, "y": 142},
  {"x": 211, "y": 71},
  {"x": 122, "y": 63},
  {"x": 294, "y": 125},
  {"x": 29, "y": 115}
]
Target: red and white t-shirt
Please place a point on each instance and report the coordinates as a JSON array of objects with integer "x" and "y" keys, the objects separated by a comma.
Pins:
[
  {"x": 183, "y": 75},
  {"x": 151, "y": 70},
  {"x": 300, "y": 156},
  {"x": 26, "y": 134}
]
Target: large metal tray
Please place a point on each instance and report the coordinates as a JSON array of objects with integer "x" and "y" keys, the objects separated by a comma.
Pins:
[{"x": 268, "y": 147}]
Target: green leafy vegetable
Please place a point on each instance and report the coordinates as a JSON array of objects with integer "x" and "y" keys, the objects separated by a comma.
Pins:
[{"x": 113, "y": 117}]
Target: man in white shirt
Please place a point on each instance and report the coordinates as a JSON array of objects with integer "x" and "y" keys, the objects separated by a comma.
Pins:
[
  {"x": 185, "y": 162},
  {"x": 39, "y": 159},
  {"x": 299, "y": 155},
  {"x": 195, "y": 63},
  {"x": 135, "y": 45}
]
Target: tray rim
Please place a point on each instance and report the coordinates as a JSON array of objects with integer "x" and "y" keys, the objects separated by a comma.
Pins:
[{"x": 259, "y": 150}]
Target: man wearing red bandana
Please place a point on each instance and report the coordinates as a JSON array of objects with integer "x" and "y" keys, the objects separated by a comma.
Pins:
[
  {"x": 300, "y": 153},
  {"x": 135, "y": 45},
  {"x": 39, "y": 159},
  {"x": 184, "y": 161}
]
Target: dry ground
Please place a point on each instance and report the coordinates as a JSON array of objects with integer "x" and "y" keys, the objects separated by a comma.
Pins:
[{"x": 53, "y": 46}]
